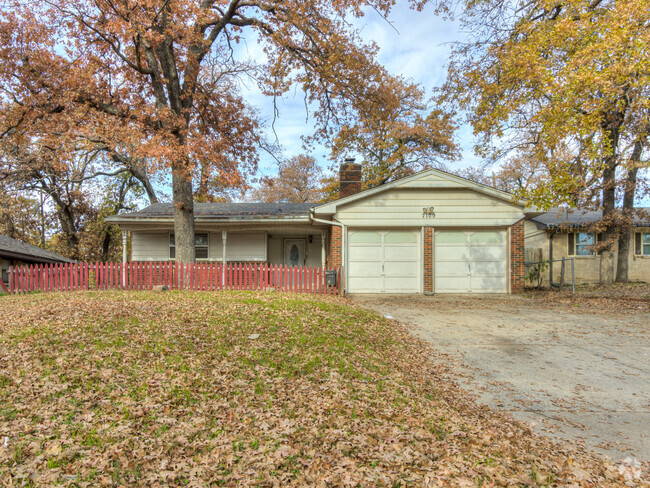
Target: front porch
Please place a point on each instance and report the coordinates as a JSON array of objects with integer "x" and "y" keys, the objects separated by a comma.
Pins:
[{"x": 288, "y": 245}]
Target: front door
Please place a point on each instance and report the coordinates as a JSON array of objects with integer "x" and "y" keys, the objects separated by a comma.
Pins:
[{"x": 294, "y": 252}]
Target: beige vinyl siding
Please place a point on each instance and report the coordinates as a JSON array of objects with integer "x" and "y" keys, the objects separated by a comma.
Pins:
[
  {"x": 215, "y": 246},
  {"x": 275, "y": 253},
  {"x": 246, "y": 247},
  {"x": 149, "y": 246},
  {"x": 452, "y": 207},
  {"x": 154, "y": 246},
  {"x": 312, "y": 250},
  {"x": 435, "y": 181}
]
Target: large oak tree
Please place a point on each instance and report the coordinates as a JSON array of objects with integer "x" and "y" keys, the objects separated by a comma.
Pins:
[
  {"x": 142, "y": 74},
  {"x": 396, "y": 130}
]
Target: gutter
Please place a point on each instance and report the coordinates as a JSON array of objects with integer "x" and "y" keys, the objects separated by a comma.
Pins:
[
  {"x": 114, "y": 219},
  {"x": 536, "y": 233},
  {"x": 343, "y": 236}
]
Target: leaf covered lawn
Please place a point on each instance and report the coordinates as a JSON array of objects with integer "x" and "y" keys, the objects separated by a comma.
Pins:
[{"x": 173, "y": 389}]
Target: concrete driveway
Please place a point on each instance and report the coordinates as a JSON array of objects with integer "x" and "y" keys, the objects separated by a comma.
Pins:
[{"x": 575, "y": 375}]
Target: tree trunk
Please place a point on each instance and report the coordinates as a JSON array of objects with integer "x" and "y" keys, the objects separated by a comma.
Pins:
[
  {"x": 607, "y": 259},
  {"x": 612, "y": 126},
  {"x": 68, "y": 225},
  {"x": 41, "y": 210},
  {"x": 106, "y": 244},
  {"x": 622, "y": 268},
  {"x": 69, "y": 231},
  {"x": 183, "y": 215}
]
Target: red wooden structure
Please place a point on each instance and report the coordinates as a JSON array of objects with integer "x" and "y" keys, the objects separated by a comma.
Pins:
[{"x": 146, "y": 275}]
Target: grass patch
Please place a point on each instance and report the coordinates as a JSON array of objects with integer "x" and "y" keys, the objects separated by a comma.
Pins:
[{"x": 173, "y": 388}]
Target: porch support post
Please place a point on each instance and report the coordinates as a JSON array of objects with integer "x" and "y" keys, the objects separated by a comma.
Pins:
[
  {"x": 124, "y": 243},
  {"x": 224, "y": 240},
  {"x": 323, "y": 249}
]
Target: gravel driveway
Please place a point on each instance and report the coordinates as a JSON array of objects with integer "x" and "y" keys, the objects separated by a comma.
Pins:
[{"x": 574, "y": 374}]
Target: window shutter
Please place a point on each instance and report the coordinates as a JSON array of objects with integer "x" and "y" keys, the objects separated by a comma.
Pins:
[
  {"x": 637, "y": 244},
  {"x": 571, "y": 247}
]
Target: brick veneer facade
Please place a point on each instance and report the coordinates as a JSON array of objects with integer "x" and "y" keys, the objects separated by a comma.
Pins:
[
  {"x": 335, "y": 242},
  {"x": 428, "y": 260},
  {"x": 517, "y": 257}
]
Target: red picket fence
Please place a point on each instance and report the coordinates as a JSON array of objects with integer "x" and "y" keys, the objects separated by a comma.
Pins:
[{"x": 146, "y": 275}]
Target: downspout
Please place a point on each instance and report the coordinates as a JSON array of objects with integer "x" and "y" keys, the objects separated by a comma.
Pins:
[
  {"x": 124, "y": 256},
  {"x": 550, "y": 258},
  {"x": 224, "y": 241},
  {"x": 342, "y": 226}
]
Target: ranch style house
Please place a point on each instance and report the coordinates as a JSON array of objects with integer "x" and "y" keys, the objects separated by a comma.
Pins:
[
  {"x": 565, "y": 233},
  {"x": 431, "y": 232}
]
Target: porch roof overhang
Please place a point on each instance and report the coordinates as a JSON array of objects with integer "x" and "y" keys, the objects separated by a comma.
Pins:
[
  {"x": 230, "y": 224},
  {"x": 120, "y": 220},
  {"x": 220, "y": 215}
]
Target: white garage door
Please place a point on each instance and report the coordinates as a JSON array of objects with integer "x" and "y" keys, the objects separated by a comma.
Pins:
[
  {"x": 383, "y": 261},
  {"x": 471, "y": 262}
]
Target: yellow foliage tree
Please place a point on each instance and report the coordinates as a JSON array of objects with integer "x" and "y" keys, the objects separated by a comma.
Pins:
[{"x": 567, "y": 84}]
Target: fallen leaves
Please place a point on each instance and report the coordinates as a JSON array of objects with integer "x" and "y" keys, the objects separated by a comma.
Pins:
[{"x": 122, "y": 389}]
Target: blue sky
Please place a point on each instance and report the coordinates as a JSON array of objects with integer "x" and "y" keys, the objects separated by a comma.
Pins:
[{"x": 415, "y": 45}]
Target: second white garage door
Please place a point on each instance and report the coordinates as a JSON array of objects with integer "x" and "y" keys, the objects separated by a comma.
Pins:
[
  {"x": 470, "y": 262},
  {"x": 383, "y": 261}
]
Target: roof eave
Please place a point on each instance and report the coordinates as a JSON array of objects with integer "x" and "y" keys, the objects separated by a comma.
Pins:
[
  {"x": 33, "y": 257},
  {"x": 329, "y": 208},
  {"x": 116, "y": 219},
  {"x": 576, "y": 225}
]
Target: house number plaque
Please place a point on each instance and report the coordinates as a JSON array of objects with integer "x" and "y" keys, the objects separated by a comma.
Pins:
[{"x": 428, "y": 212}]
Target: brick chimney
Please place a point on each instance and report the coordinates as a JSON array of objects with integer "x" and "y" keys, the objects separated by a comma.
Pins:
[{"x": 349, "y": 178}]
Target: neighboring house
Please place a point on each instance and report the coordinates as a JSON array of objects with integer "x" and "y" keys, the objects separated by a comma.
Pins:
[
  {"x": 564, "y": 233},
  {"x": 17, "y": 253},
  {"x": 431, "y": 232}
]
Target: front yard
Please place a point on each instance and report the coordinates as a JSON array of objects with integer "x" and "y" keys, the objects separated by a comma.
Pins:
[{"x": 230, "y": 389}]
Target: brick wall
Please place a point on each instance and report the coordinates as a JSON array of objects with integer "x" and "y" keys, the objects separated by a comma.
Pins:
[
  {"x": 335, "y": 241},
  {"x": 517, "y": 257},
  {"x": 428, "y": 260},
  {"x": 349, "y": 178}
]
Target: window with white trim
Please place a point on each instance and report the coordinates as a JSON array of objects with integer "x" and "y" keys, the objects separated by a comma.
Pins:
[
  {"x": 581, "y": 243},
  {"x": 201, "y": 246},
  {"x": 642, "y": 243}
]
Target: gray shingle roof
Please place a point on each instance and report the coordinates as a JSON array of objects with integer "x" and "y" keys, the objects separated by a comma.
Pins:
[
  {"x": 227, "y": 210},
  {"x": 16, "y": 248},
  {"x": 575, "y": 217}
]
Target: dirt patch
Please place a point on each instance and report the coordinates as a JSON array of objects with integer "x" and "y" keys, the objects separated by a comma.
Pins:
[{"x": 621, "y": 298}]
